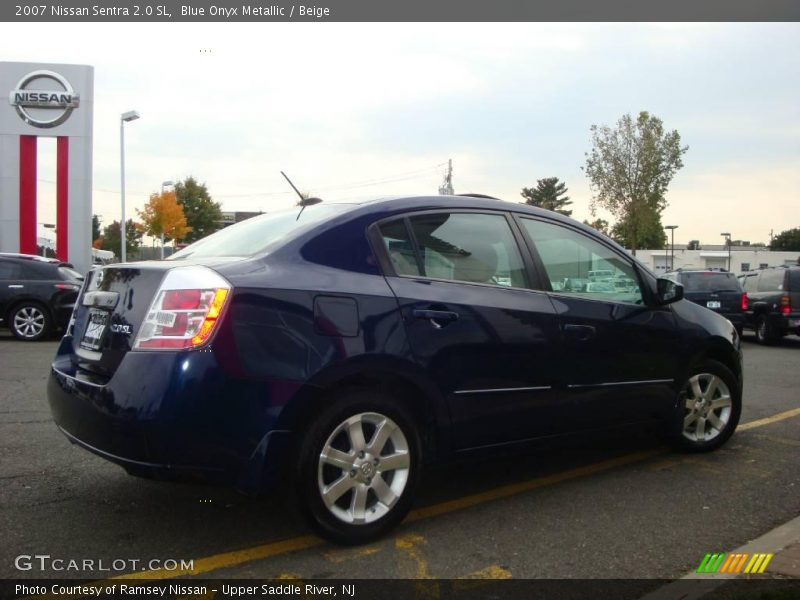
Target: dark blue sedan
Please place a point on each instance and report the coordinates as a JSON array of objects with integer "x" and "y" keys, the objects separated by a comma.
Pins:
[{"x": 337, "y": 349}]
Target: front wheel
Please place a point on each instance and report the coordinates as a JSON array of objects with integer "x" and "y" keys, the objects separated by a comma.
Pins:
[
  {"x": 711, "y": 403},
  {"x": 358, "y": 466}
]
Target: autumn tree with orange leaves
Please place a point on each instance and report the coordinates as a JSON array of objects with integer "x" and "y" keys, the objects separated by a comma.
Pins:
[{"x": 163, "y": 217}]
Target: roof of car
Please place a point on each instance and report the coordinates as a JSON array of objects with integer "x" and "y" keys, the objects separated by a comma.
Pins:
[
  {"x": 35, "y": 257},
  {"x": 464, "y": 201}
]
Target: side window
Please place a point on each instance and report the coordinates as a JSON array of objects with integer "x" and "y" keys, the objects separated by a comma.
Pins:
[
  {"x": 469, "y": 247},
  {"x": 579, "y": 265},
  {"x": 30, "y": 271},
  {"x": 8, "y": 270},
  {"x": 771, "y": 280},
  {"x": 399, "y": 248}
]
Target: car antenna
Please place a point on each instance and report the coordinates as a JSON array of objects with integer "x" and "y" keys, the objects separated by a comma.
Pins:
[{"x": 304, "y": 201}]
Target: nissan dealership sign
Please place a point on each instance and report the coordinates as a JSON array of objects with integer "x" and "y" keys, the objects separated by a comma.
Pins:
[
  {"x": 54, "y": 101},
  {"x": 44, "y": 99}
]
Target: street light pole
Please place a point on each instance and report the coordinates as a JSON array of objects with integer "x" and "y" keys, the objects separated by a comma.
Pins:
[
  {"x": 163, "y": 185},
  {"x": 131, "y": 115},
  {"x": 727, "y": 237},
  {"x": 672, "y": 229}
]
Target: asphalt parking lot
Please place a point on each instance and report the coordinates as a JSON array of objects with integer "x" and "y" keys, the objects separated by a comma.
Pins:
[{"x": 622, "y": 508}]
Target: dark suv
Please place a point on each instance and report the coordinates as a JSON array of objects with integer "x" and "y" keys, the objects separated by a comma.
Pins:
[
  {"x": 716, "y": 289},
  {"x": 337, "y": 349},
  {"x": 37, "y": 294},
  {"x": 773, "y": 302}
]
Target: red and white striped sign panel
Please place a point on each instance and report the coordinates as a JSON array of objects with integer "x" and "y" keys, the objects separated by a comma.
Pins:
[{"x": 46, "y": 100}]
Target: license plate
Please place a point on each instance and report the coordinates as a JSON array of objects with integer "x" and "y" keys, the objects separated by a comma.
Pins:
[
  {"x": 713, "y": 304},
  {"x": 98, "y": 320}
]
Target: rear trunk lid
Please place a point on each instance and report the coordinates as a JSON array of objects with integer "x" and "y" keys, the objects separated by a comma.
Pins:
[{"x": 112, "y": 306}]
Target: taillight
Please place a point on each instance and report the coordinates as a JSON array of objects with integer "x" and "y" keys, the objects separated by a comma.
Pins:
[
  {"x": 73, "y": 287},
  {"x": 786, "y": 305},
  {"x": 185, "y": 311},
  {"x": 744, "y": 302}
]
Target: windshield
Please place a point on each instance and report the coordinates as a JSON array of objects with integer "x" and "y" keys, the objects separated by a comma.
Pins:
[
  {"x": 256, "y": 234},
  {"x": 710, "y": 281}
]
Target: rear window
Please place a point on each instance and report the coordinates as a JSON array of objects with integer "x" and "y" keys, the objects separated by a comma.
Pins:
[
  {"x": 69, "y": 273},
  {"x": 771, "y": 280},
  {"x": 257, "y": 234},
  {"x": 705, "y": 281}
]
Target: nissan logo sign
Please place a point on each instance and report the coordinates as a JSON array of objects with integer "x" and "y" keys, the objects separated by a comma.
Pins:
[{"x": 42, "y": 104}]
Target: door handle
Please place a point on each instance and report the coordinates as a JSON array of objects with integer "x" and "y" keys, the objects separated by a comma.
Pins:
[
  {"x": 16, "y": 287},
  {"x": 581, "y": 333},
  {"x": 438, "y": 318}
]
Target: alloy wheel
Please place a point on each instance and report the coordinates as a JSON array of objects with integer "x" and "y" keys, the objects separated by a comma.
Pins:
[
  {"x": 363, "y": 468},
  {"x": 708, "y": 407},
  {"x": 29, "y": 322}
]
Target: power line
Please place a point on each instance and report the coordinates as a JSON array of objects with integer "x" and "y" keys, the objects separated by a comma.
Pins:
[{"x": 405, "y": 176}]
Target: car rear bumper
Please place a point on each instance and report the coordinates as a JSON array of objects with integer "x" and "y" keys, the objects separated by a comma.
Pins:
[{"x": 172, "y": 415}]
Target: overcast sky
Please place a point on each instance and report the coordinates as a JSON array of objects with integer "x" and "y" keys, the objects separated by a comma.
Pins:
[{"x": 360, "y": 110}]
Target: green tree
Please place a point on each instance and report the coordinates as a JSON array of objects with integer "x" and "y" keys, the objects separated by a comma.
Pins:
[
  {"x": 550, "y": 194},
  {"x": 111, "y": 237},
  {"x": 96, "y": 232},
  {"x": 649, "y": 231},
  {"x": 786, "y": 240},
  {"x": 203, "y": 215},
  {"x": 630, "y": 168},
  {"x": 600, "y": 225}
]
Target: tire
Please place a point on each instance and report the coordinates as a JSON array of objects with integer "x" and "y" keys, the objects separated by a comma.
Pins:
[
  {"x": 707, "y": 421},
  {"x": 350, "y": 497},
  {"x": 30, "y": 322},
  {"x": 765, "y": 332}
]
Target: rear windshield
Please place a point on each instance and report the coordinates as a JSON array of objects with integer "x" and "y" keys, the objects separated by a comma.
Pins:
[
  {"x": 705, "y": 281},
  {"x": 70, "y": 273},
  {"x": 258, "y": 233}
]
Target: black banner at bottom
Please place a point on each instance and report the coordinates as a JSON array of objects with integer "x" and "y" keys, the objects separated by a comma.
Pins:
[{"x": 423, "y": 589}]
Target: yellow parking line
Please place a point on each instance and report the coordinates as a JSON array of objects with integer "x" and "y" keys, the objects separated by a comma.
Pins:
[
  {"x": 767, "y": 420},
  {"x": 230, "y": 559},
  {"x": 490, "y": 572},
  {"x": 513, "y": 489},
  {"x": 237, "y": 557}
]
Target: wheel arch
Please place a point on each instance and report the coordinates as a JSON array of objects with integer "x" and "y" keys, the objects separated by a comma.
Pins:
[{"x": 403, "y": 380}]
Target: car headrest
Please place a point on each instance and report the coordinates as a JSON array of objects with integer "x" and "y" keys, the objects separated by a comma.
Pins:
[{"x": 480, "y": 266}]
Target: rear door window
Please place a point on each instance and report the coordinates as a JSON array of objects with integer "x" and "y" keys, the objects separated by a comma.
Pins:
[
  {"x": 465, "y": 247},
  {"x": 399, "y": 248},
  {"x": 8, "y": 270}
]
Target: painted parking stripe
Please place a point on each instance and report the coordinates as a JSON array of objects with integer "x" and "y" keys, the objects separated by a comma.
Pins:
[{"x": 237, "y": 557}]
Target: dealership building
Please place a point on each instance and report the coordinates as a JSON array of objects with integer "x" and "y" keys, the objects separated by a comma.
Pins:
[{"x": 742, "y": 258}]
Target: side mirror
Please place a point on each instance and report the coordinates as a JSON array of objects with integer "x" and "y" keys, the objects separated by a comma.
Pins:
[{"x": 668, "y": 291}]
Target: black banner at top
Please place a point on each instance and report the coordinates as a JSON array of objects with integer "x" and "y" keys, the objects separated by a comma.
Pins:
[{"x": 397, "y": 10}]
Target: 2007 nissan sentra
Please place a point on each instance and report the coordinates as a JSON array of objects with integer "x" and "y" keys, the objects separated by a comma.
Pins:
[{"x": 335, "y": 351}]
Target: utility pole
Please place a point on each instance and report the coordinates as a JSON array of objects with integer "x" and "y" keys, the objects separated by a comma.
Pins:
[{"x": 446, "y": 189}]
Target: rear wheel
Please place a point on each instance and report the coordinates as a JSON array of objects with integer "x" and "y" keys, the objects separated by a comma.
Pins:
[
  {"x": 711, "y": 405},
  {"x": 358, "y": 467},
  {"x": 30, "y": 322},
  {"x": 765, "y": 332}
]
